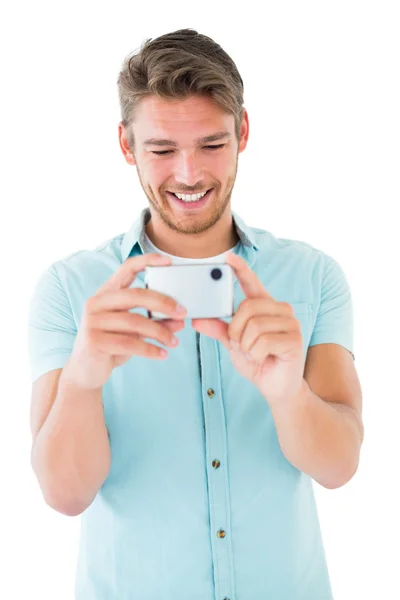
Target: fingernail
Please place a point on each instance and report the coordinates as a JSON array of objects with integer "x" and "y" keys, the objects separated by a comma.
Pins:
[{"x": 180, "y": 309}]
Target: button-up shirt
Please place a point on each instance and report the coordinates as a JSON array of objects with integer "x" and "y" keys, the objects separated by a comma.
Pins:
[{"x": 200, "y": 501}]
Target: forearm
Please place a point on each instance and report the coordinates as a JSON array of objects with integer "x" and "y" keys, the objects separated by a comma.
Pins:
[
  {"x": 320, "y": 438},
  {"x": 71, "y": 453}
]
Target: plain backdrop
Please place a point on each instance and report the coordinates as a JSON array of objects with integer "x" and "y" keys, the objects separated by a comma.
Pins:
[{"x": 322, "y": 166}]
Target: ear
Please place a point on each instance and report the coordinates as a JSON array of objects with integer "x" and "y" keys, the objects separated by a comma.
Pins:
[
  {"x": 124, "y": 144},
  {"x": 244, "y": 131}
]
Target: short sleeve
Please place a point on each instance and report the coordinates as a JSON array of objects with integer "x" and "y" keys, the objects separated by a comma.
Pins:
[
  {"x": 334, "y": 322},
  {"x": 51, "y": 326}
]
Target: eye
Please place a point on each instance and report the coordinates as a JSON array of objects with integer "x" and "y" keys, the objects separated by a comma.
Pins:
[
  {"x": 161, "y": 152},
  {"x": 216, "y": 147},
  {"x": 165, "y": 152}
]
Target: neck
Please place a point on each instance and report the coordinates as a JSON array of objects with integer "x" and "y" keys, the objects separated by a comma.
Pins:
[{"x": 219, "y": 238}]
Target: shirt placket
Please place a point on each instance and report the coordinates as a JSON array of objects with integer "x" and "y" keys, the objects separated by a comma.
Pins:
[{"x": 217, "y": 467}]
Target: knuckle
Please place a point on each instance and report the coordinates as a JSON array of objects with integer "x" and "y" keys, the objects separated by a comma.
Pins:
[
  {"x": 136, "y": 292},
  {"x": 164, "y": 334},
  {"x": 296, "y": 324},
  {"x": 246, "y": 304},
  {"x": 253, "y": 326},
  {"x": 133, "y": 320},
  {"x": 127, "y": 343},
  {"x": 90, "y": 304},
  {"x": 288, "y": 308}
]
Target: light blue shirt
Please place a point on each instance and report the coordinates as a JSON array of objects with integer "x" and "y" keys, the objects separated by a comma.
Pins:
[{"x": 200, "y": 502}]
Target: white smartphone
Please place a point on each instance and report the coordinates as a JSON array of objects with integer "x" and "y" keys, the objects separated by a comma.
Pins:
[{"x": 205, "y": 290}]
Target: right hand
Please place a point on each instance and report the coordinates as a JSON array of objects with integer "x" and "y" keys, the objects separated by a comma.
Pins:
[{"x": 110, "y": 335}]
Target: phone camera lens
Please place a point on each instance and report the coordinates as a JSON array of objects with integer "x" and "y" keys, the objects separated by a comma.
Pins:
[{"x": 216, "y": 274}]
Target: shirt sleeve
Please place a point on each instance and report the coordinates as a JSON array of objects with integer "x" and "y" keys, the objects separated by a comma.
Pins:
[
  {"x": 334, "y": 321},
  {"x": 51, "y": 325}
]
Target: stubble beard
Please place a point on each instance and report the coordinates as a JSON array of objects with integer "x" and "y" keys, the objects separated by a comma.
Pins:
[{"x": 197, "y": 225}]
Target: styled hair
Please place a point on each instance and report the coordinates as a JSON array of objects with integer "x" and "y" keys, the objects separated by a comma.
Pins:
[{"x": 175, "y": 66}]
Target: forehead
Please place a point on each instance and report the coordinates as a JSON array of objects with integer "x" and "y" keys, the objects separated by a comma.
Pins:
[{"x": 190, "y": 118}]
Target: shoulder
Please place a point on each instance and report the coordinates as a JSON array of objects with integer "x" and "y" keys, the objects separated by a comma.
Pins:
[
  {"x": 280, "y": 247},
  {"x": 104, "y": 256},
  {"x": 81, "y": 273},
  {"x": 297, "y": 261}
]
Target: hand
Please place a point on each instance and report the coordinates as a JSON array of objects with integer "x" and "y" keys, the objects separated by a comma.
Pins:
[
  {"x": 264, "y": 337},
  {"x": 109, "y": 334}
]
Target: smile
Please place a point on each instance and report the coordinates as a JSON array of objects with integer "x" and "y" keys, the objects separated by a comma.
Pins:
[
  {"x": 191, "y": 201},
  {"x": 190, "y": 197}
]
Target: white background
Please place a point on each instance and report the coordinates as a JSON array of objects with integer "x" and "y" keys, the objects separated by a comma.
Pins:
[{"x": 322, "y": 165}]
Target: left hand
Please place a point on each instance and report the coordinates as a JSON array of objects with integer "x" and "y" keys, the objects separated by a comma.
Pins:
[{"x": 264, "y": 337}]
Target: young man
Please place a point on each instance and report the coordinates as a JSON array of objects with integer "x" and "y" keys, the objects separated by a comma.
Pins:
[{"x": 193, "y": 471}]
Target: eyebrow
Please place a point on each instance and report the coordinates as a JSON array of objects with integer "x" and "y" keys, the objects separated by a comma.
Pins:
[{"x": 205, "y": 140}]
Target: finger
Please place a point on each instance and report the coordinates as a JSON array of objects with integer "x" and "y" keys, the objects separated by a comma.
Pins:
[
  {"x": 256, "y": 307},
  {"x": 128, "y": 298},
  {"x": 123, "y": 344},
  {"x": 127, "y": 272},
  {"x": 263, "y": 325},
  {"x": 174, "y": 325},
  {"x": 129, "y": 323},
  {"x": 283, "y": 345},
  {"x": 249, "y": 282},
  {"x": 214, "y": 328}
]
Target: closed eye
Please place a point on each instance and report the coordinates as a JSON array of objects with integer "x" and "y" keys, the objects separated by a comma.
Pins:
[{"x": 165, "y": 152}]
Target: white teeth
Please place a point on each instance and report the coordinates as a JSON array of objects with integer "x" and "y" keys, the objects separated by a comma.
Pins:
[{"x": 190, "y": 197}]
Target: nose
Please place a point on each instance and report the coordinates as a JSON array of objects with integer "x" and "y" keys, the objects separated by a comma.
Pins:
[{"x": 189, "y": 170}]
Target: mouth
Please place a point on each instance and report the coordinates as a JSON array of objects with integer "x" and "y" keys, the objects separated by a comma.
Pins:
[{"x": 191, "y": 204}]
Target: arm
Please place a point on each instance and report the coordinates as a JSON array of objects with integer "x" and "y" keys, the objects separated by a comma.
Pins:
[
  {"x": 70, "y": 450},
  {"x": 70, "y": 454},
  {"x": 320, "y": 431}
]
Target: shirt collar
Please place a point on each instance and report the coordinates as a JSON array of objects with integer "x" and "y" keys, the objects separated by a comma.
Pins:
[{"x": 136, "y": 233}]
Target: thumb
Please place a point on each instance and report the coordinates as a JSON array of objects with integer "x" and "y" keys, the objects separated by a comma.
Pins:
[
  {"x": 213, "y": 328},
  {"x": 127, "y": 272}
]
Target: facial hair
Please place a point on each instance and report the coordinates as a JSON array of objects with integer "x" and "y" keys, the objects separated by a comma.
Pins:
[{"x": 196, "y": 225}]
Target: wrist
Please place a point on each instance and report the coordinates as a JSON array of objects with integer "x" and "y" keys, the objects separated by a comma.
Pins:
[
  {"x": 74, "y": 377},
  {"x": 293, "y": 398}
]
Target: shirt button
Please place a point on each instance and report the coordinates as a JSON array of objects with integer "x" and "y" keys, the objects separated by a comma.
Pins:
[
  {"x": 216, "y": 464},
  {"x": 210, "y": 393},
  {"x": 221, "y": 533}
]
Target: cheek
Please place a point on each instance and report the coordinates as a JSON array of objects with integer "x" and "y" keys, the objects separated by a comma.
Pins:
[
  {"x": 222, "y": 168},
  {"x": 156, "y": 174},
  {"x": 223, "y": 161}
]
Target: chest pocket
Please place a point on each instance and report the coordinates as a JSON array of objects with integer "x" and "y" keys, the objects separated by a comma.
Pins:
[{"x": 303, "y": 313}]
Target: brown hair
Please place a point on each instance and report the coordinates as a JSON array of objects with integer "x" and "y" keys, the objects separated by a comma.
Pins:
[{"x": 177, "y": 65}]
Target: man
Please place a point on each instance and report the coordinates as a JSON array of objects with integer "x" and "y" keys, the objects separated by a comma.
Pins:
[{"x": 192, "y": 467}]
